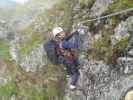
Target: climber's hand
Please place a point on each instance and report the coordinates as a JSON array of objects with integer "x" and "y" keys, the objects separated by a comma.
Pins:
[{"x": 81, "y": 29}]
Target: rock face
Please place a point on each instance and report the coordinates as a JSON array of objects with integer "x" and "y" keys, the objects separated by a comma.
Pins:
[
  {"x": 126, "y": 64},
  {"x": 2, "y": 35},
  {"x": 130, "y": 53},
  {"x": 34, "y": 61},
  {"x": 99, "y": 82},
  {"x": 14, "y": 49},
  {"x": 124, "y": 28},
  {"x": 5, "y": 30},
  {"x": 99, "y": 7}
]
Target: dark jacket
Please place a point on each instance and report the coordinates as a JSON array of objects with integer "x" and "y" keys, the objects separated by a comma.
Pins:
[
  {"x": 72, "y": 43},
  {"x": 68, "y": 45}
]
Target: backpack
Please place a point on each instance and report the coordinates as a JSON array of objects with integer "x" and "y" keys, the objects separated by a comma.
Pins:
[
  {"x": 54, "y": 53},
  {"x": 50, "y": 49}
]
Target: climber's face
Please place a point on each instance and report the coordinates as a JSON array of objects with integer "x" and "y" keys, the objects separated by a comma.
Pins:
[{"x": 62, "y": 35}]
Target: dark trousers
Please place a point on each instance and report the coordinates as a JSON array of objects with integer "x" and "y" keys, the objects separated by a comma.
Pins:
[{"x": 72, "y": 70}]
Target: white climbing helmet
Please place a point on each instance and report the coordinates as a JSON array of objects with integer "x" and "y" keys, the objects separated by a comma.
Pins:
[{"x": 57, "y": 30}]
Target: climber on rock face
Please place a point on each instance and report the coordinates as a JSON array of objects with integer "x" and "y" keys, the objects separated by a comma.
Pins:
[
  {"x": 60, "y": 50},
  {"x": 66, "y": 54}
]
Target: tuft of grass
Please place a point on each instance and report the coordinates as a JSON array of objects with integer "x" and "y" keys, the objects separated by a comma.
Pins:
[
  {"x": 119, "y": 5},
  {"x": 4, "y": 49},
  {"x": 122, "y": 43},
  {"x": 8, "y": 89}
]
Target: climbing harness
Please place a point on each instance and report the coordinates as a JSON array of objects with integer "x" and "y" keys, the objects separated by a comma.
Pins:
[{"x": 106, "y": 16}]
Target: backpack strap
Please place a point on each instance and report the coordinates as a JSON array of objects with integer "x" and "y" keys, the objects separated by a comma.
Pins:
[
  {"x": 59, "y": 50},
  {"x": 68, "y": 54}
]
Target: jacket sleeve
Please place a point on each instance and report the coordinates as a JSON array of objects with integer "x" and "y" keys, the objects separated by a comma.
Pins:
[{"x": 68, "y": 44}]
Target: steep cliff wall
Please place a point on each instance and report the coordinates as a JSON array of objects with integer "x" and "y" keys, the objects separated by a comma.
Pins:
[{"x": 106, "y": 53}]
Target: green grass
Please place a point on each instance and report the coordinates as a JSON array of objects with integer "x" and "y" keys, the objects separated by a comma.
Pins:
[
  {"x": 8, "y": 89},
  {"x": 118, "y": 5},
  {"x": 4, "y": 49},
  {"x": 104, "y": 50},
  {"x": 30, "y": 44},
  {"x": 31, "y": 93},
  {"x": 122, "y": 43}
]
